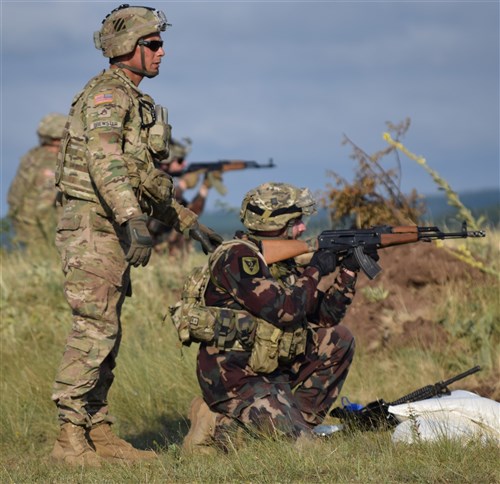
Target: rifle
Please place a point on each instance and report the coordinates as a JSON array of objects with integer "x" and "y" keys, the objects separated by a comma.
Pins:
[
  {"x": 223, "y": 165},
  {"x": 375, "y": 415},
  {"x": 347, "y": 241}
]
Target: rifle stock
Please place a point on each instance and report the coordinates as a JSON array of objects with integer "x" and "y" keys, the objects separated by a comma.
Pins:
[{"x": 275, "y": 250}]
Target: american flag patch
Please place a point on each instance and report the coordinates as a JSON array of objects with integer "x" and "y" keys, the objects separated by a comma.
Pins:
[{"x": 105, "y": 97}]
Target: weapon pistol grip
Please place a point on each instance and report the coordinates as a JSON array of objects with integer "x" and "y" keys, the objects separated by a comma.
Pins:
[{"x": 367, "y": 264}]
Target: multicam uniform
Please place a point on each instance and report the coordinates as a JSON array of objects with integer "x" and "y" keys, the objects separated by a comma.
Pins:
[
  {"x": 32, "y": 197},
  {"x": 286, "y": 296},
  {"x": 107, "y": 177}
]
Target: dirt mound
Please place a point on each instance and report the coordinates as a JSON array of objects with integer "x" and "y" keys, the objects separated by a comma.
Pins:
[{"x": 398, "y": 307}]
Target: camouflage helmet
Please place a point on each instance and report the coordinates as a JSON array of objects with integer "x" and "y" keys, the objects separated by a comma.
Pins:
[
  {"x": 271, "y": 206},
  {"x": 52, "y": 126},
  {"x": 178, "y": 150},
  {"x": 124, "y": 26}
]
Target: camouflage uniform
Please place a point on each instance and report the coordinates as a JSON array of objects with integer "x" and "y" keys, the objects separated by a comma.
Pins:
[
  {"x": 32, "y": 195},
  {"x": 298, "y": 394},
  {"x": 104, "y": 162}
]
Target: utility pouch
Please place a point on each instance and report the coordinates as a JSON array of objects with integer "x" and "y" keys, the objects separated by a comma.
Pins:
[
  {"x": 265, "y": 351},
  {"x": 157, "y": 185},
  {"x": 192, "y": 320},
  {"x": 194, "y": 323},
  {"x": 292, "y": 344},
  {"x": 159, "y": 133}
]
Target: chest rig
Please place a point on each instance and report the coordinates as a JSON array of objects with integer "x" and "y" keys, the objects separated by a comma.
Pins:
[{"x": 232, "y": 329}]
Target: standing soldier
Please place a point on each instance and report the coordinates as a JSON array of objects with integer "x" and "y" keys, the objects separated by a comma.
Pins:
[
  {"x": 279, "y": 356},
  {"x": 32, "y": 195},
  {"x": 109, "y": 184}
]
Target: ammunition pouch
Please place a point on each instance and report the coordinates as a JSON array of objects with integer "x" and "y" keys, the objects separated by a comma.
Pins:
[
  {"x": 156, "y": 185},
  {"x": 225, "y": 328},
  {"x": 274, "y": 346},
  {"x": 159, "y": 134},
  {"x": 231, "y": 329}
]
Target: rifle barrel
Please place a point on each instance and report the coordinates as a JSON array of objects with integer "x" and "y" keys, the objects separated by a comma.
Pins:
[{"x": 438, "y": 388}]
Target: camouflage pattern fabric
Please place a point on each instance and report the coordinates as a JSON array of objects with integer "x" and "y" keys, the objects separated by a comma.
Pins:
[
  {"x": 105, "y": 157},
  {"x": 32, "y": 197},
  {"x": 96, "y": 282},
  {"x": 169, "y": 241},
  {"x": 297, "y": 396}
]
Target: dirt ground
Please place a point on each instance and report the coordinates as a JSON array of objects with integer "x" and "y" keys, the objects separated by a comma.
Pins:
[{"x": 397, "y": 308}]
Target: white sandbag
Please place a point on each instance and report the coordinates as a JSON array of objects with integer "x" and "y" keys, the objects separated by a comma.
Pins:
[{"x": 462, "y": 415}]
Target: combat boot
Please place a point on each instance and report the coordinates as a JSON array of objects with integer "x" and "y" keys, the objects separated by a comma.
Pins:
[
  {"x": 110, "y": 447},
  {"x": 199, "y": 439},
  {"x": 72, "y": 447}
]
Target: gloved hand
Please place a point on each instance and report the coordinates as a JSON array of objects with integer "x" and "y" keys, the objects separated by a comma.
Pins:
[
  {"x": 350, "y": 263},
  {"x": 140, "y": 241},
  {"x": 325, "y": 261},
  {"x": 208, "y": 239},
  {"x": 190, "y": 179},
  {"x": 214, "y": 179}
]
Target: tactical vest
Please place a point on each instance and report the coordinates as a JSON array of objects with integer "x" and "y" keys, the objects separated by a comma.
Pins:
[
  {"x": 72, "y": 174},
  {"x": 231, "y": 329}
]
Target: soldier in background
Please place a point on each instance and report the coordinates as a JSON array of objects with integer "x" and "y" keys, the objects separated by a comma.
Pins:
[
  {"x": 166, "y": 240},
  {"x": 32, "y": 195},
  {"x": 109, "y": 186}
]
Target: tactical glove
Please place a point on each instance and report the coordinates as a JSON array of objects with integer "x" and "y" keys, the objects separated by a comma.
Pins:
[
  {"x": 325, "y": 261},
  {"x": 140, "y": 241},
  {"x": 350, "y": 262},
  {"x": 208, "y": 239}
]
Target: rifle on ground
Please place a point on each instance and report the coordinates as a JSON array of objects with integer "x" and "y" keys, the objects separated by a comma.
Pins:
[
  {"x": 376, "y": 414},
  {"x": 358, "y": 241},
  {"x": 223, "y": 165}
]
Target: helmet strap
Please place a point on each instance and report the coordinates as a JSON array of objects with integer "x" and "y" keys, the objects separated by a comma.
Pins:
[
  {"x": 141, "y": 72},
  {"x": 146, "y": 73},
  {"x": 289, "y": 228}
]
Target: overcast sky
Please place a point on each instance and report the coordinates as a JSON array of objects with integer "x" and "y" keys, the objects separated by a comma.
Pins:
[{"x": 281, "y": 79}]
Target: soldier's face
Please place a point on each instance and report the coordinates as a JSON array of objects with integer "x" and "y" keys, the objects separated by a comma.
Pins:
[
  {"x": 177, "y": 165},
  {"x": 299, "y": 227},
  {"x": 152, "y": 55}
]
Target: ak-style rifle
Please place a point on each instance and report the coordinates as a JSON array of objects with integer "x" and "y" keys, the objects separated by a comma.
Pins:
[
  {"x": 223, "y": 166},
  {"x": 345, "y": 242}
]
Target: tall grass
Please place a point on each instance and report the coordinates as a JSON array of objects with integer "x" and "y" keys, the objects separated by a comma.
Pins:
[{"x": 155, "y": 381}]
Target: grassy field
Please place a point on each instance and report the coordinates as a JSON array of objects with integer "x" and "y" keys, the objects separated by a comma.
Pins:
[{"x": 155, "y": 381}]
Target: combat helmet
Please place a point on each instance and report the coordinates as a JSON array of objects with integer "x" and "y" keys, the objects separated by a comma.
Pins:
[
  {"x": 178, "y": 150},
  {"x": 272, "y": 205},
  {"x": 51, "y": 127},
  {"x": 124, "y": 26}
]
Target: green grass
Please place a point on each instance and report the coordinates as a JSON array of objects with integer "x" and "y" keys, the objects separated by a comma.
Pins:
[{"x": 155, "y": 381}]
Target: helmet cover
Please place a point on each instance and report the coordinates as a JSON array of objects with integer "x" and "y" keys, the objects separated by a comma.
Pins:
[
  {"x": 272, "y": 205},
  {"x": 52, "y": 126},
  {"x": 124, "y": 26}
]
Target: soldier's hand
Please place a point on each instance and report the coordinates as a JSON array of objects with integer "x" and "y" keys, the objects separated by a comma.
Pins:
[
  {"x": 208, "y": 239},
  {"x": 350, "y": 263},
  {"x": 325, "y": 261},
  {"x": 140, "y": 241}
]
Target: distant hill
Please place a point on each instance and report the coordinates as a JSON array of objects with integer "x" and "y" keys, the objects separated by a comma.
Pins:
[{"x": 481, "y": 203}]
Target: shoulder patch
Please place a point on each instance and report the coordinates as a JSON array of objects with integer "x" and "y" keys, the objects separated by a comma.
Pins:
[
  {"x": 250, "y": 266},
  {"x": 103, "y": 97}
]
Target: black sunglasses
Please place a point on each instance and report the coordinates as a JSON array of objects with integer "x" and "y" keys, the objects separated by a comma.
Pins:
[{"x": 154, "y": 45}]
